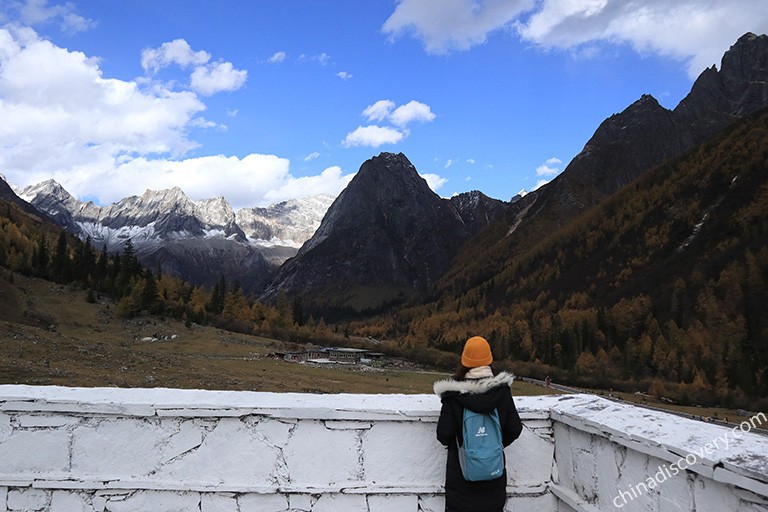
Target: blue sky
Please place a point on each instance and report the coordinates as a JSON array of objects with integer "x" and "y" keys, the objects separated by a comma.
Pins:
[{"x": 263, "y": 101}]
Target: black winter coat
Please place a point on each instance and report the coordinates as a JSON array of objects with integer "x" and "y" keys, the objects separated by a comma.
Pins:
[{"x": 479, "y": 395}]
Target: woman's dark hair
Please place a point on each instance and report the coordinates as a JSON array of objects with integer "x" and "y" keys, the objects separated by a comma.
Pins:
[{"x": 461, "y": 372}]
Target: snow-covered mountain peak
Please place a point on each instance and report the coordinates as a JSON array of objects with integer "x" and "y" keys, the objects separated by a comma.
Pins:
[
  {"x": 50, "y": 188},
  {"x": 171, "y": 214},
  {"x": 216, "y": 211},
  {"x": 293, "y": 221},
  {"x": 165, "y": 198}
]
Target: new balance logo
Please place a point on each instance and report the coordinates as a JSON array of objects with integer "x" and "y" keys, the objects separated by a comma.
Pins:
[{"x": 481, "y": 432}]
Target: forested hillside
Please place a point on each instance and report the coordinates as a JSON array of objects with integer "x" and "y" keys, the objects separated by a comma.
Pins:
[
  {"x": 35, "y": 247},
  {"x": 662, "y": 285}
]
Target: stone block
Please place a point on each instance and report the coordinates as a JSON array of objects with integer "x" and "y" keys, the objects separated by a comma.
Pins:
[
  {"x": 563, "y": 455},
  {"x": 529, "y": 460},
  {"x": 68, "y": 501},
  {"x": 318, "y": 457},
  {"x": 3, "y": 498},
  {"x": 49, "y": 421},
  {"x": 676, "y": 491},
  {"x": 108, "y": 449},
  {"x": 156, "y": 501},
  {"x": 609, "y": 458},
  {"x": 584, "y": 465},
  {"x": 231, "y": 456},
  {"x": 224, "y": 502},
  {"x": 5, "y": 426},
  {"x": 187, "y": 436},
  {"x": 633, "y": 491},
  {"x": 273, "y": 432},
  {"x": 403, "y": 453},
  {"x": 302, "y": 502},
  {"x": 341, "y": 503},
  {"x": 711, "y": 496},
  {"x": 39, "y": 452},
  {"x": 263, "y": 503},
  {"x": 543, "y": 503},
  {"x": 393, "y": 503},
  {"x": 431, "y": 503},
  {"x": 27, "y": 499}
]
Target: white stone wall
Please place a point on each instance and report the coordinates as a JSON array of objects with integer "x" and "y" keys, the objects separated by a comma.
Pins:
[{"x": 75, "y": 449}]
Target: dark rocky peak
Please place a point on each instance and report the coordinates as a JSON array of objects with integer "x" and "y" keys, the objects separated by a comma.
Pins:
[
  {"x": 387, "y": 233},
  {"x": 391, "y": 177},
  {"x": 387, "y": 190},
  {"x": 746, "y": 61},
  {"x": 623, "y": 146},
  {"x": 477, "y": 210},
  {"x": 738, "y": 89}
]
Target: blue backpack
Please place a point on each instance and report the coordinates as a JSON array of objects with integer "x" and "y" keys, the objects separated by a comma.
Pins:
[{"x": 482, "y": 455}]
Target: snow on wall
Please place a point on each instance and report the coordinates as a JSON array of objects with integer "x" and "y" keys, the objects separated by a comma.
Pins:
[{"x": 107, "y": 449}]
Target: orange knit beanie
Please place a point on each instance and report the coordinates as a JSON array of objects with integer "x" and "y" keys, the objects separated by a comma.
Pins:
[{"x": 477, "y": 352}]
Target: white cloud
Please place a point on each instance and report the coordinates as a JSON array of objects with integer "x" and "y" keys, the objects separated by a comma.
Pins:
[
  {"x": 549, "y": 168},
  {"x": 379, "y": 111},
  {"x": 373, "y": 136},
  {"x": 218, "y": 77},
  {"x": 539, "y": 184},
  {"x": 59, "y": 111},
  {"x": 448, "y": 163},
  {"x": 344, "y": 75},
  {"x": 106, "y": 139},
  {"x": 696, "y": 32},
  {"x": 312, "y": 156},
  {"x": 255, "y": 180},
  {"x": 176, "y": 52},
  {"x": 323, "y": 59},
  {"x": 277, "y": 58},
  {"x": 207, "y": 78},
  {"x": 38, "y": 12},
  {"x": 434, "y": 181},
  {"x": 445, "y": 25},
  {"x": 386, "y": 110},
  {"x": 412, "y": 111},
  {"x": 471, "y": 161},
  {"x": 331, "y": 181}
]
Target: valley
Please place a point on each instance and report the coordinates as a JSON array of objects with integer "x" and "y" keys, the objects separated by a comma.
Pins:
[
  {"x": 57, "y": 338},
  {"x": 642, "y": 267}
]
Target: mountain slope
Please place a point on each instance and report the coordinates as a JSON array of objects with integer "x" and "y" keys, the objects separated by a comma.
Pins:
[
  {"x": 9, "y": 196},
  {"x": 624, "y": 146},
  {"x": 387, "y": 235},
  {"x": 199, "y": 241},
  {"x": 666, "y": 279}
]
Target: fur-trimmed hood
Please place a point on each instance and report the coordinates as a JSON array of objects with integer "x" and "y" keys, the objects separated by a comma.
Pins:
[{"x": 473, "y": 386}]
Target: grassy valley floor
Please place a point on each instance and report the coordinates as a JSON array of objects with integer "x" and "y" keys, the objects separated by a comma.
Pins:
[{"x": 50, "y": 335}]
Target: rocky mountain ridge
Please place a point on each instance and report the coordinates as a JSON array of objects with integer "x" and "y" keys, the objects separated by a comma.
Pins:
[
  {"x": 197, "y": 240},
  {"x": 386, "y": 236},
  {"x": 623, "y": 148},
  {"x": 170, "y": 214}
]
